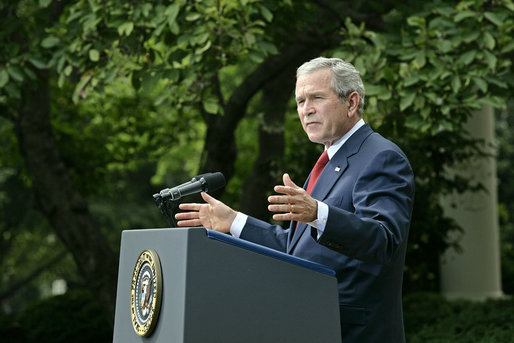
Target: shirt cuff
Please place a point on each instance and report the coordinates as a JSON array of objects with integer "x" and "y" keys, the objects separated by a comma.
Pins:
[
  {"x": 237, "y": 225},
  {"x": 320, "y": 222}
]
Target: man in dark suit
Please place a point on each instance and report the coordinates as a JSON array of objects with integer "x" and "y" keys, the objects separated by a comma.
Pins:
[{"x": 354, "y": 218}]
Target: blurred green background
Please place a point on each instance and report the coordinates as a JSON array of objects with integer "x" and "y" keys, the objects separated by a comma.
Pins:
[{"x": 104, "y": 103}]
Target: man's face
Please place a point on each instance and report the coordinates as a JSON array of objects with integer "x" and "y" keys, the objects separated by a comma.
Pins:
[{"x": 324, "y": 117}]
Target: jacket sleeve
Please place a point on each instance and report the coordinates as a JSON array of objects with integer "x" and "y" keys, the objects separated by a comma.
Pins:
[
  {"x": 378, "y": 222},
  {"x": 260, "y": 232}
]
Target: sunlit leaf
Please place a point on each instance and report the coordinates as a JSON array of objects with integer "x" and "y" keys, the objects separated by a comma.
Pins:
[
  {"x": 4, "y": 78},
  {"x": 94, "y": 55},
  {"x": 50, "y": 42},
  {"x": 407, "y": 100}
]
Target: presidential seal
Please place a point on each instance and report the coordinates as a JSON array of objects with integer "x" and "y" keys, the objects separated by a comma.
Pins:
[{"x": 145, "y": 293}]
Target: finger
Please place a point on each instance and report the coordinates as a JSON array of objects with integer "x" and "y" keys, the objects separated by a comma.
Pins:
[
  {"x": 208, "y": 199},
  {"x": 279, "y": 199},
  {"x": 285, "y": 190},
  {"x": 186, "y": 215},
  {"x": 283, "y": 217},
  {"x": 189, "y": 223},
  {"x": 280, "y": 208},
  {"x": 288, "y": 182},
  {"x": 190, "y": 206}
]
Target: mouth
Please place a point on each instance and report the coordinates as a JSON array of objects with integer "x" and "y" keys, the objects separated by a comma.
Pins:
[{"x": 312, "y": 123}]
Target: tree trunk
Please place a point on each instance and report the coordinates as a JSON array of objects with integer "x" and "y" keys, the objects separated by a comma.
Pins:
[
  {"x": 268, "y": 167},
  {"x": 58, "y": 197},
  {"x": 220, "y": 150}
]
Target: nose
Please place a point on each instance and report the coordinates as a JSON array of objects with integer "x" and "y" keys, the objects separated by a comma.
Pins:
[{"x": 308, "y": 107}]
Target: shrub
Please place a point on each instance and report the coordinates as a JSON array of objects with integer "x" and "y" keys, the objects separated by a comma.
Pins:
[
  {"x": 73, "y": 317},
  {"x": 431, "y": 318}
]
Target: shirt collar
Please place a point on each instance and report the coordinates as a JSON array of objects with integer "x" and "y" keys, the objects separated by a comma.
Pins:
[{"x": 338, "y": 144}]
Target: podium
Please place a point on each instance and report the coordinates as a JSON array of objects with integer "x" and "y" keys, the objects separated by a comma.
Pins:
[{"x": 217, "y": 288}]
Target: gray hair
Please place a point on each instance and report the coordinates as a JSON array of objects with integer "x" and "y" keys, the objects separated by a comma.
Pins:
[{"x": 345, "y": 78}]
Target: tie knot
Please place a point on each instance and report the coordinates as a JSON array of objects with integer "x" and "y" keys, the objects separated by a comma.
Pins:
[{"x": 323, "y": 159}]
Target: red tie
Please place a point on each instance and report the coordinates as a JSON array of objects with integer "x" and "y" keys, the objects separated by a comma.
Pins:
[{"x": 316, "y": 171}]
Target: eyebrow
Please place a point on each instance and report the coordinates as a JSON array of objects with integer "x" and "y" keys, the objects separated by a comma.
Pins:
[{"x": 313, "y": 94}]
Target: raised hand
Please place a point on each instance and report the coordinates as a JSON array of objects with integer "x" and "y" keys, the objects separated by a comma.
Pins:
[
  {"x": 213, "y": 215},
  {"x": 295, "y": 203}
]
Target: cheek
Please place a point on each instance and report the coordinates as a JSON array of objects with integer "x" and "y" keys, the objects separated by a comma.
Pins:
[{"x": 301, "y": 117}]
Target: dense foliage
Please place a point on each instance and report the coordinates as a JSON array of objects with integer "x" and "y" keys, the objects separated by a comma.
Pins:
[
  {"x": 505, "y": 144},
  {"x": 431, "y": 318},
  {"x": 428, "y": 318},
  {"x": 104, "y": 102},
  {"x": 73, "y": 317}
]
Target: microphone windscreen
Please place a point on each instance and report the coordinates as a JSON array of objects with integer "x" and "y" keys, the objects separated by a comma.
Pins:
[{"x": 214, "y": 181}]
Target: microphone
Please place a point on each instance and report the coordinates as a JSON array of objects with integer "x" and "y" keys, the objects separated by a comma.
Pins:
[{"x": 200, "y": 183}]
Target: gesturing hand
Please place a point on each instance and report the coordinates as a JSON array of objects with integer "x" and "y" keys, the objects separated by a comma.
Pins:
[
  {"x": 213, "y": 215},
  {"x": 295, "y": 203}
]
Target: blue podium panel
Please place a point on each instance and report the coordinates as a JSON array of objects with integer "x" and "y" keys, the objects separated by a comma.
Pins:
[
  {"x": 216, "y": 288},
  {"x": 270, "y": 252}
]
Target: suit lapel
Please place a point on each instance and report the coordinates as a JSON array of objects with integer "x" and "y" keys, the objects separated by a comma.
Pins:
[{"x": 334, "y": 169}]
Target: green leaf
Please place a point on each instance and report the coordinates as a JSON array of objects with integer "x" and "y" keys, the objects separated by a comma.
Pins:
[
  {"x": 81, "y": 85},
  {"x": 13, "y": 91},
  {"x": 44, "y": 3},
  {"x": 172, "y": 13},
  {"x": 413, "y": 122},
  {"x": 470, "y": 36},
  {"x": 425, "y": 112},
  {"x": 409, "y": 81},
  {"x": 496, "y": 81},
  {"x": 193, "y": 16},
  {"x": 467, "y": 57},
  {"x": 493, "y": 18},
  {"x": 4, "y": 78},
  {"x": 480, "y": 83},
  {"x": 68, "y": 70},
  {"x": 445, "y": 10},
  {"x": 94, "y": 55},
  {"x": 268, "y": 47},
  {"x": 445, "y": 46},
  {"x": 446, "y": 125},
  {"x": 126, "y": 28},
  {"x": 211, "y": 105},
  {"x": 420, "y": 60},
  {"x": 493, "y": 101},
  {"x": 456, "y": 84},
  {"x": 490, "y": 59},
  {"x": 30, "y": 73},
  {"x": 204, "y": 48},
  {"x": 266, "y": 14},
  {"x": 381, "y": 91},
  {"x": 50, "y": 41},
  {"x": 407, "y": 100},
  {"x": 37, "y": 63},
  {"x": 416, "y": 21},
  {"x": 15, "y": 73},
  {"x": 463, "y": 15},
  {"x": 488, "y": 40},
  {"x": 508, "y": 47}
]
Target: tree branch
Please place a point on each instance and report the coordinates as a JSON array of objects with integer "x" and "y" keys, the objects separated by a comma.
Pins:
[{"x": 17, "y": 285}]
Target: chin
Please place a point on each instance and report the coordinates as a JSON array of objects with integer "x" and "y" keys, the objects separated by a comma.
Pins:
[{"x": 316, "y": 140}]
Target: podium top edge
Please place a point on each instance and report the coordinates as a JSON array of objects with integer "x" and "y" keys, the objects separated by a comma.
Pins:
[{"x": 270, "y": 252}]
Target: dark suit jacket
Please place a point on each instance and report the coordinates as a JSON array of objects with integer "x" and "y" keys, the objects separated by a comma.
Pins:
[{"x": 369, "y": 188}]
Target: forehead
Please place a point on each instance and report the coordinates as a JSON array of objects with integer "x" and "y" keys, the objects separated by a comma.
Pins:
[{"x": 318, "y": 80}]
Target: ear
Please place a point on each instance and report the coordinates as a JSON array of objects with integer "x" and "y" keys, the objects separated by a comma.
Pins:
[{"x": 353, "y": 100}]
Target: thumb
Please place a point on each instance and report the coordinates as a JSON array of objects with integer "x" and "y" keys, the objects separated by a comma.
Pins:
[
  {"x": 288, "y": 182},
  {"x": 207, "y": 198}
]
